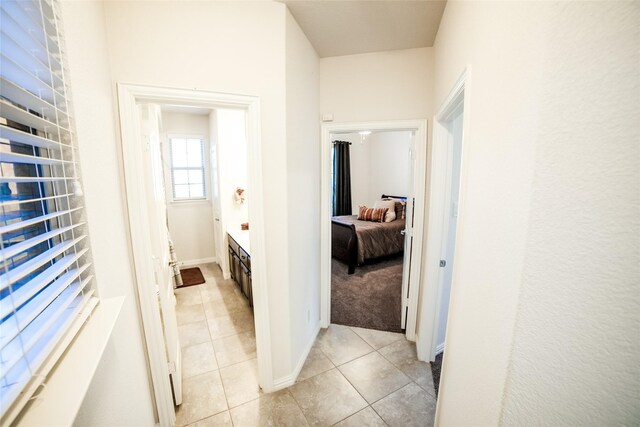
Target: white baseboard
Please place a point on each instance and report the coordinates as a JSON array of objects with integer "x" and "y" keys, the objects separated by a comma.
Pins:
[
  {"x": 289, "y": 380},
  {"x": 192, "y": 262},
  {"x": 439, "y": 348}
]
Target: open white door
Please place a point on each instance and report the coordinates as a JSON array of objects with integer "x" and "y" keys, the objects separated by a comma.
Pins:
[
  {"x": 408, "y": 233},
  {"x": 150, "y": 128},
  {"x": 449, "y": 226},
  {"x": 218, "y": 235}
]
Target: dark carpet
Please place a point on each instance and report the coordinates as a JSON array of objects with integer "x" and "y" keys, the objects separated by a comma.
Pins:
[
  {"x": 435, "y": 371},
  {"x": 369, "y": 298},
  {"x": 191, "y": 276}
]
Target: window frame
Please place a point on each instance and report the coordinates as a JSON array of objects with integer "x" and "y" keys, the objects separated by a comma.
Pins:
[{"x": 171, "y": 168}]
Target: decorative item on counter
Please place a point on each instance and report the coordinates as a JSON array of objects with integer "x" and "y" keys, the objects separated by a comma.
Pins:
[
  {"x": 240, "y": 195},
  {"x": 244, "y": 226}
]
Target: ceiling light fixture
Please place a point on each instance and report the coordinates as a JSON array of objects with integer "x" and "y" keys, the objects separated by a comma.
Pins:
[{"x": 363, "y": 135}]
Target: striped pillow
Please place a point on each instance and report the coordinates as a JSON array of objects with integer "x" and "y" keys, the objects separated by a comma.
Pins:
[{"x": 371, "y": 214}]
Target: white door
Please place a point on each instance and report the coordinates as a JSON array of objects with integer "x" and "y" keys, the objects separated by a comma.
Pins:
[
  {"x": 454, "y": 157},
  {"x": 408, "y": 233},
  {"x": 218, "y": 237},
  {"x": 150, "y": 128}
]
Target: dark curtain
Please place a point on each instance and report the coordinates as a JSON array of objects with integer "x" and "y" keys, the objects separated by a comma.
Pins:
[{"x": 341, "y": 178}]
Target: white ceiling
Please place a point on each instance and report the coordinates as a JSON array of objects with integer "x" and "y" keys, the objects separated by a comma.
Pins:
[{"x": 337, "y": 27}]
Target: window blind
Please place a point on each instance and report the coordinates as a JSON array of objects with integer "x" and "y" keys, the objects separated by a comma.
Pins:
[{"x": 46, "y": 286}]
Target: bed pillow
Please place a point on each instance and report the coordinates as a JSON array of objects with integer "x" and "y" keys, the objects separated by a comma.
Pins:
[
  {"x": 390, "y": 205},
  {"x": 371, "y": 214},
  {"x": 400, "y": 208}
]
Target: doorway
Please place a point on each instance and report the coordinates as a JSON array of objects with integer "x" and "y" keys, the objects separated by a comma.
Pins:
[
  {"x": 371, "y": 170},
  {"x": 446, "y": 196},
  {"x": 135, "y": 154},
  {"x": 415, "y": 200}
]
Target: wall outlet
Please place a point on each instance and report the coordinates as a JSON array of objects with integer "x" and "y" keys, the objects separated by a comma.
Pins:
[{"x": 327, "y": 117}]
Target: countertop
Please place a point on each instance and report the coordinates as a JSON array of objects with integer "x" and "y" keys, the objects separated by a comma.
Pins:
[{"x": 242, "y": 238}]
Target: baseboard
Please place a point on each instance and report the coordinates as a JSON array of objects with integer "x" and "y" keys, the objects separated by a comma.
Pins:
[
  {"x": 439, "y": 348},
  {"x": 192, "y": 262},
  {"x": 289, "y": 380}
]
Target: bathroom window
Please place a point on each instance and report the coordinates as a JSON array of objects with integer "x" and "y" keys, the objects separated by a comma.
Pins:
[{"x": 187, "y": 168}]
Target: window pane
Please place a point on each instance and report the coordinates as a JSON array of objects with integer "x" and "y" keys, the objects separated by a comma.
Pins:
[
  {"x": 194, "y": 150},
  {"x": 179, "y": 152},
  {"x": 181, "y": 191},
  {"x": 197, "y": 190},
  {"x": 195, "y": 176},
  {"x": 180, "y": 177}
]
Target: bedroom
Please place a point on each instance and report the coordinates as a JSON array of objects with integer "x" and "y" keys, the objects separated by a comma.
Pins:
[{"x": 368, "y": 251}]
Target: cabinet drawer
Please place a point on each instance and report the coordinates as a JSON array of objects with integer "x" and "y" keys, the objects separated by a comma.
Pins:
[
  {"x": 245, "y": 258},
  {"x": 233, "y": 245},
  {"x": 246, "y": 284}
]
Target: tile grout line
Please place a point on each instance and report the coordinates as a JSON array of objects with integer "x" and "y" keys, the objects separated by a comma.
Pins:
[
  {"x": 386, "y": 395},
  {"x": 298, "y": 403},
  {"x": 216, "y": 359},
  {"x": 224, "y": 390},
  {"x": 229, "y": 408}
]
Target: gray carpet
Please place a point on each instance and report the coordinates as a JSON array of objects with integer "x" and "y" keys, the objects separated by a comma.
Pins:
[
  {"x": 369, "y": 298},
  {"x": 436, "y": 366}
]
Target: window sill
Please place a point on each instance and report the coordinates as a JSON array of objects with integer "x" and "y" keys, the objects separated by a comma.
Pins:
[
  {"x": 59, "y": 401},
  {"x": 190, "y": 202}
]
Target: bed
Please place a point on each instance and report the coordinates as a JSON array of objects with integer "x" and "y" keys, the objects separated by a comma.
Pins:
[{"x": 355, "y": 242}]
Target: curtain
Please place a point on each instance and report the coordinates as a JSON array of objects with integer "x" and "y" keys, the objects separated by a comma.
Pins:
[{"x": 341, "y": 178}]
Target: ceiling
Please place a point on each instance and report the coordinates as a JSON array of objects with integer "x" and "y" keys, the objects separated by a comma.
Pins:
[{"x": 337, "y": 27}]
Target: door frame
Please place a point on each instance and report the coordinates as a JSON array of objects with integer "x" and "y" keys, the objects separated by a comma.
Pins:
[
  {"x": 129, "y": 95},
  {"x": 420, "y": 128},
  {"x": 432, "y": 289}
]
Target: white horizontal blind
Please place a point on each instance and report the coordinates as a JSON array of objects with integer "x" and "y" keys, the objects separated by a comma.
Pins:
[{"x": 45, "y": 276}]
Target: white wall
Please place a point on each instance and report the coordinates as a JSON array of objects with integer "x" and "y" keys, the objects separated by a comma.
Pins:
[
  {"x": 378, "y": 86},
  {"x": 390, "y": 171},
  {"x": 120, "y": 392},
  {"x": 233, "y": 47},
  {"x": 544, "y": 301},
  {"x": 379, "y": 165},
  {"x": 190, "y": 223},
  {"x": 230, "y": 140},
  {"x": 303, "y": 210},
  {"x": 232, "y": 152}
]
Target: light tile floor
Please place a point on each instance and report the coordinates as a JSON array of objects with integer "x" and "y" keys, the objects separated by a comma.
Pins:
[{"x": 352, "y": 377}]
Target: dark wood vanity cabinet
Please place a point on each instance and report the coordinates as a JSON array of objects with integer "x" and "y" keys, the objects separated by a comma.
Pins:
[{"x": 240, "y": 267}]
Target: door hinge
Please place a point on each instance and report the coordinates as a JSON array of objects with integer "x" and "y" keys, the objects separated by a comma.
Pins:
[
  {"x": 443, "y": 263},
  {"x": 172, "y": 367}
]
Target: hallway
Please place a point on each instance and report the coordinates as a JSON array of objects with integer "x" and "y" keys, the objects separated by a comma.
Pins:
[{"x": 352, "y": 377}]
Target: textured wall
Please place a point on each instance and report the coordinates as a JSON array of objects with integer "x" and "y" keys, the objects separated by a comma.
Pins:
[
  {"x": 576, "y": 354},
  {"x": 544, "y": 302}
]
